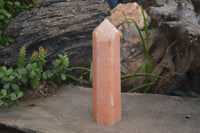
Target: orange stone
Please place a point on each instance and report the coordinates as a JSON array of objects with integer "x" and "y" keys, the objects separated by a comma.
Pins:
[
  {"x": 129, "y": 10},
  {"x": 106, "y": 74}
]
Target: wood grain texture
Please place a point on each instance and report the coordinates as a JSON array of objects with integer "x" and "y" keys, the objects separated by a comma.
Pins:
[{"x": 60, "y": 26}]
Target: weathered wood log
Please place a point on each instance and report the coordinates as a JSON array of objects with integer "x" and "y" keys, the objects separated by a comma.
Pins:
[
  {"x": 174, "y": 38},
  {"x": 196, "y": 4},
  {"x": 60, "y": 26},
  {"x": 179, "y": 31}
]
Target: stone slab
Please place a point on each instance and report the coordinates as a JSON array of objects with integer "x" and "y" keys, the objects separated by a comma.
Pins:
[{"x": 70, "y": 111}]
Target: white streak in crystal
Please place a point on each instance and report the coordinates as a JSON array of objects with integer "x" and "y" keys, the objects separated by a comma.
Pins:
[{"x": 111, "y": 100}]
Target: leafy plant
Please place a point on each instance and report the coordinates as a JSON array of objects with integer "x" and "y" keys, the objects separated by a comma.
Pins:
[
  {"x": 9, "y": 9},
  {"x": 5, "y": 19},
  {"x": 60, "y": 67},
  {"x": 35, "y": 67},
  {"x": 10, "y": 82},
  {"x": 39, "y": 58},
  {"x": 31, "y": 74},
  {"x": 60, "y": 71},
  {"x": 146, "y": 65}
]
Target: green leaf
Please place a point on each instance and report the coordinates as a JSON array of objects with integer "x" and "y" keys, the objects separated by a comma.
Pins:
[
  {"x": 141, "y": 36},
  {"x": 37, "y": 70},
  {"x": 11, "y": 78},
  {"x": 148, "y": 87},
  {"x": 180, "y": 93},
  {"x": 151, "y": 66},
  {"x": 22, "y": 71},
  {"x": 4, "y": 92},
  {"x": 14, "y": 86},
  {"x": 146, "y": 30},
  {"x": 10, "y": 104},
  {"x": 10, "y": 40},
  {"x": 32, "y": 74},
  {"x": 24, "y": 79},
  {"x": 10, "y": 3},
  {"x": 5, "y": 79},
  {"x": 8, "y": 15},
  {"x": 58, "y": 61},
  {"x": 141, "y": 74},
  {"x": 13, "y": 96},
  {"x": 7, "y": 21},
  {"x": 79, "y": 80},
  {"x": 60, "y": 56},
  {"x": 148, "y": 69},
  {"x": 12, "y": 69},
  {"x": 65, "y": 56},
  {"x": 63, "y": 76},
  {"x": 17, "y": 3},
  {"x": 5, "y": 104},
  {"x": 29, "y": 67},
  {"x": 30, "y": 5},
  {"x": 49, "y": 74},
  {"x": 1, "y": 102},
  {"x": 20, "y": 94},
  {"x": 138, "y": 69},
  {"x": 61, "y": 67},
  {"x": 141, "y": 86},
  {"x": 194, "y": 94},
  {"x": 15, "y": 74},
  {"x": 4, "y": 68},
  {"x": 34, "y": 66},
  {"x": 44, "y": 75},
  {"x": 80, "y": 68},
  {"x": 6, "y": 86}
]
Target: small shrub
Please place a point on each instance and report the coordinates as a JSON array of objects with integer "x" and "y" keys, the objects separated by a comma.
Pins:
[
  {"x": 30, "y": 75},
  {"x": 35, "y": 67},
  {"x": 59, "y": 70}
]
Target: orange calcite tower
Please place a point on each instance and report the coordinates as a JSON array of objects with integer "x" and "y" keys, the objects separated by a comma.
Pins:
[{"x": 106, "y": 74}]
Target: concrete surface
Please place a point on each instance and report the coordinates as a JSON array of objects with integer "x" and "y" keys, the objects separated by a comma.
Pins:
[{"x": 70, "y": 111}]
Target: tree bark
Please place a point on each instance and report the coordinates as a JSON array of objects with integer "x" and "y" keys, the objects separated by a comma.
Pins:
[{"x": 60, "y": 26}]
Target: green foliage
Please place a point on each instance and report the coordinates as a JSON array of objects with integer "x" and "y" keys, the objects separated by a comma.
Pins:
[
  {"x": 12, "y": 79},
  {"x": 35, "y": 67},
  {"x": 59, "y": 70},
  {"x": 21, "y": 57},
  {"x": 10, "y": 82},
  {"x": 191, "y": 94},
  {"x": 9, "y": 9},
  {"x": 148, "y": 66},
  {"x": 30, "y": 75},
  {"x": 39, "y": 58},
  {"x": 33, "y": 75}
]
